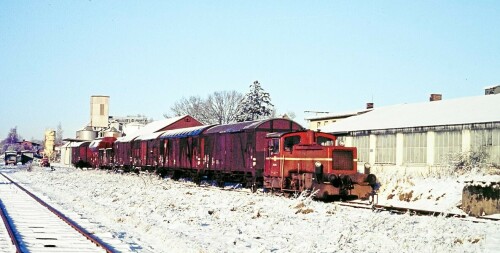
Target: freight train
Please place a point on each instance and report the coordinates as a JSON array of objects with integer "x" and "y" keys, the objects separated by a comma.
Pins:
[{"x": 273, "y": 154}]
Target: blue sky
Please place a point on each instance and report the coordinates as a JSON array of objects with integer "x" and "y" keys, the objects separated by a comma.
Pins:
[{"x": 309, "y": 55}]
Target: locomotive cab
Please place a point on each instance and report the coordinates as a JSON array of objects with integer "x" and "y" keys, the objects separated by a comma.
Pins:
[{"x": 310, "y": 161}]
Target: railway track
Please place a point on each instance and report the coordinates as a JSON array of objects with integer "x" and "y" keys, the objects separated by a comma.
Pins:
[
  {"x": 415, "y": 211},
  {"x": 31, "y": 225}
]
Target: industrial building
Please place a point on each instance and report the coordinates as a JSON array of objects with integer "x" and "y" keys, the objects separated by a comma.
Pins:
[
  {"x": 102, "y": 125},
  {"x": 424, "y": 135}
]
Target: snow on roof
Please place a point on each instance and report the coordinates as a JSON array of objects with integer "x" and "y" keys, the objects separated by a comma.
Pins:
[
  {"x": 150, "y": 128},
  {"x": 478, "y": 109},
  {"x": 492, "y": 86},
  {"x": 183, "y": 132},
  {"x": 336, "y": 114},
  {"x": 149, "y": 136}
]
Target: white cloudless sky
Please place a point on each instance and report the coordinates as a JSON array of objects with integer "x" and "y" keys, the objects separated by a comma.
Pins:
[{"x": 309, "y": 55}]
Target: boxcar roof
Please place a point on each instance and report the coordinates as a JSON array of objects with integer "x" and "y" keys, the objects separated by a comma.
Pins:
[
  {"x": 105, "y": 142},
  {"x": 183, "y": 132},
  {"x": 150, "y": 128},
  {"x": 242, "y": 126},
  {"x": 75, "y": 144},
  {"x": 149, "y": 136}
]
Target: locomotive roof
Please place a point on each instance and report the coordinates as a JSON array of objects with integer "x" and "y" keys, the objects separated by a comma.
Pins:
[
  {"x": 183, "y": 132},
  {"x": 279, "y": 134}
]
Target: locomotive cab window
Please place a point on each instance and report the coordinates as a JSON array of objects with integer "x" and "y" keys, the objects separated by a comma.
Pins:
[
  {"x": 291, "y": 141},
  {"x": 324, "y": 141},
  {"x": 274, "y": 146}
]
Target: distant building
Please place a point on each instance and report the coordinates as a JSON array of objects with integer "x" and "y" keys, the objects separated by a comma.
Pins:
[
  {"x": 99, "y": 111},
  {"x": 492, "y": 90},
  {"x": 49, "y": 144},
  {"x": 128, "y": 123},
  {"x": 322, "y": 119},
  {"x": 103, "y": 125},
  {"x": 424, "y": 135}
]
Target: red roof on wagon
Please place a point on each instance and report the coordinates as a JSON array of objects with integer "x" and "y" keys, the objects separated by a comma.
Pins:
[
  {"x": 102, "y": 143},
  {"x": 162, "y": 125}
]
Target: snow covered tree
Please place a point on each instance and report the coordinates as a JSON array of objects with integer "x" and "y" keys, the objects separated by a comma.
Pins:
[{"x": 256, "y": 104}]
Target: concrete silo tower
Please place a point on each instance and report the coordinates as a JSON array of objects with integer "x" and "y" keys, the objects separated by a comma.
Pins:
[
  {"x": 49, "y": 144},
  {"x": 99, "y": 111}
]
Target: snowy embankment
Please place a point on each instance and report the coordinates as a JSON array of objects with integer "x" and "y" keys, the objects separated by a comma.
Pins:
[{"x": 153, "y": 215}]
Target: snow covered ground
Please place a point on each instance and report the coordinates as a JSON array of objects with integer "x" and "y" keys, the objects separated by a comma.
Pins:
[{"x": 153, "y": 215}]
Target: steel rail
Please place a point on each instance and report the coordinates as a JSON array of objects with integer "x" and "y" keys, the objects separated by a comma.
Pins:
[
  {"x": 8, "y": 226},
  {"x": 415, "y": 211},
  {"x": 71, "y": 223}
]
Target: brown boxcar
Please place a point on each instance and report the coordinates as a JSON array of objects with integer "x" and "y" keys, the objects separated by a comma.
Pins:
[
  {"x": 181, "y": 151},
  {"x": 128, "y": 148},
  {"x": 236, "y": 152},
  {"x": 81, "y": 155},
  {"x": 102, "y": 152}
]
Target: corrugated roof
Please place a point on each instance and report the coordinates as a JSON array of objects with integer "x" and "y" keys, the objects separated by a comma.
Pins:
[
  {"x": 235, "y": 127},
  {"x": 479, "y": 109},
  {"x": 183, "y": 132},
  {"x": 150, "y": 128}
]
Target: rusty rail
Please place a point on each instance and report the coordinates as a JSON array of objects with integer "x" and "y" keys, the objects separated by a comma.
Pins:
[
  {"x": 414, "y": 211},
  {"x": 75, "y": 226},
  {"x": 8, "y": 226}
]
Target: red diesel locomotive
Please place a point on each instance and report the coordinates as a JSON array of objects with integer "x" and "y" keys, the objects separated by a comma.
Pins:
[
  {"x": 308, "y": 160},
  {"x": 273, "y": 154}
]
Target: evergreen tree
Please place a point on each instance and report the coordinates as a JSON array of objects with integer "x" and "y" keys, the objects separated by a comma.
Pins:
[{"x": 256, "y": 104}]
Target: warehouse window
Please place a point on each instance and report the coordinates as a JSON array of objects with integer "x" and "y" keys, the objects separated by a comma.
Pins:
[
  {"x": 415, "y": 148},
  {"x": 386, "y": 149},
  {"x": 446, "y": 145},
  {"x": 487, "y": 140},
  {"x": 362, "y": 144}
]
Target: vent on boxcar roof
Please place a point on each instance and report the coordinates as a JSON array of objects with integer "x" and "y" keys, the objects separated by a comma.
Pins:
[{"x": 343, "y": 160}]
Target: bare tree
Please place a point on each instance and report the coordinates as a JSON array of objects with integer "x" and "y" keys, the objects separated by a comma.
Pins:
[
  {"x": 12, "y": 141},
  {"x": 59, "y": 135},
  {"x": 223, "y": 107},
  {"x": 191, "y": 106},
  {"x": 218, "y": 108}
]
